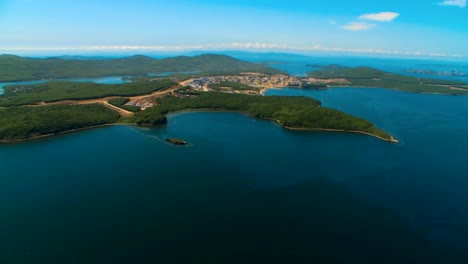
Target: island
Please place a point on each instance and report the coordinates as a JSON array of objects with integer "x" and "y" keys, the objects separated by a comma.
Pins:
[
  {"x": 176, "y": 141},
  {"x": 216, "y": 82}
]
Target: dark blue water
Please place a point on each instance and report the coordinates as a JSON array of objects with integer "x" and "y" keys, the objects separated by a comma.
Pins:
[
  {"x": 425, "y": 176},
  {"x": 246, "y": 190}
]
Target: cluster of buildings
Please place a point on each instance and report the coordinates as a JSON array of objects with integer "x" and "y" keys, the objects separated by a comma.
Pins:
[{"x": 256, "y": 80}]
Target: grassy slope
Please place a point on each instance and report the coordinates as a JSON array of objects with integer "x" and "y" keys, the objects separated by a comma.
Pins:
[
  {"x": 61, "y": 90},
  {"x": 294, "y": 112},
  {"x": 368, "y": 77},
  {"x": 14, "y": 68},
  {"x": 17, "y": 123}
]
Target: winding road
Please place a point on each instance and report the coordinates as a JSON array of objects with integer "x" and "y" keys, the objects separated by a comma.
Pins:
[{"x": 104, "y": 101}]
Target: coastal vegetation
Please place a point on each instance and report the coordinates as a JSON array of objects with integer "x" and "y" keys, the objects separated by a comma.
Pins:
[
  {"x": 23, "y": 122},
  {"x": 26, "y": 110},
  {"x": 291, "y": 112},
  {"x": 19, "y": 123},
  {"x": 15, "y": 68},
  {"x": 61, "y": 90},
  {"x": 176, "y": 141},
  {"x": 369, "y": 77}
]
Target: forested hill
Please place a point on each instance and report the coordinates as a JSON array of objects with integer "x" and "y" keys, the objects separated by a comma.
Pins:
[
  {"x": 369, "y": 77},
  {"x": 15, "y": 68}
]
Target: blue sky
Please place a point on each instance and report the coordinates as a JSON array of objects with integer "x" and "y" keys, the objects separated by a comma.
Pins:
[{"x": 390, "y": 27}]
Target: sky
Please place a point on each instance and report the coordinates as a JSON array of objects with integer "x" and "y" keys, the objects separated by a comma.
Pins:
[{"x": 430, "y": 28}]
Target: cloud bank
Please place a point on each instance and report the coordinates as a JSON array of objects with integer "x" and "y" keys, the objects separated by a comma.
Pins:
[{"x": 459, "y": 3}]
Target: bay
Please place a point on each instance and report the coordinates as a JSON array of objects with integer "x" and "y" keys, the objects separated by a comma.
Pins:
[{"x": 245, "y": 190}]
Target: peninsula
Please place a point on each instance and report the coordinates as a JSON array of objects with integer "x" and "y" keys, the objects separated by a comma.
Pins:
[
  {"x": 335, "y": 75},
  {"x": 54, "y": 107}
]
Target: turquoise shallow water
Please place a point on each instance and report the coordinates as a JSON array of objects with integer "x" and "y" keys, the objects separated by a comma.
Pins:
[
  {"x": 101, "y": 80},
  {"x": 246, "y": 190}
]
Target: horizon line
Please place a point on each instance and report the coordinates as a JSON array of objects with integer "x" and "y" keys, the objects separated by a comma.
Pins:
[{"x": 245, "y": 47}]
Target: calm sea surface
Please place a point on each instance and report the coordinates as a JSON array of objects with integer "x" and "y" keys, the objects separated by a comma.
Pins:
[{"x": 246, "y": 190}]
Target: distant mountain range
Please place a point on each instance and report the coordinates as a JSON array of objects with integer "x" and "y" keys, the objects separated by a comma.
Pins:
[{"x": 15, "y": 68}]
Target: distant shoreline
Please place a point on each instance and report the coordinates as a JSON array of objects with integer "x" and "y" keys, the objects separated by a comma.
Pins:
[{"x": 264, "y": 90}]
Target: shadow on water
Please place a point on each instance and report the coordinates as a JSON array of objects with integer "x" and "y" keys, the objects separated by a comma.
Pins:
[{"x": 213, "y": 218}]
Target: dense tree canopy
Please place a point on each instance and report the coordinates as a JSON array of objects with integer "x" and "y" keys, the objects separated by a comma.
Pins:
[
  {"x": 18, "y": 123},
  {"x": 61, "y": 90},
  {"x": 15, "y": 68},
  {"x": 294, "y": 112}
]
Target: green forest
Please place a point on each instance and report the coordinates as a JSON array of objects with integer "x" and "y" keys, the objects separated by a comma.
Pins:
[
  {"x": 22, "y": 116},
  {"x": 22, "y": 122},
  {"x": 18, "y": 123},
  {"x": 62, "y": 90},
  {"x": 369, "y": 77},
  {"x": 293, "y": 112}
]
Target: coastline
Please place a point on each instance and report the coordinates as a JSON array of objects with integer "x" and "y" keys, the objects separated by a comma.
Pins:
[
  {"x": 392, "y": 139},
  {"x": 39, "y": 137},
  {"x": 45, "y": 136},
  {"x": 262, "y": 92},
  {"x": 392, "y": 89}
]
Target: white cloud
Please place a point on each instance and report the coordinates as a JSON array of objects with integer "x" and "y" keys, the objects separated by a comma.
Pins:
[
  {"x": 136, "y": 48},
  {"x": 381, "y": 17},
  {"x": 358, "y": 26},
  {"x": 460, "y": 3},
  {"x": 227, "y": 46},
  {"x": 383, "y": 52}
]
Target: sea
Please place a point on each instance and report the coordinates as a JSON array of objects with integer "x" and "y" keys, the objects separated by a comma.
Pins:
[{"x": 246, "y": 190}]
